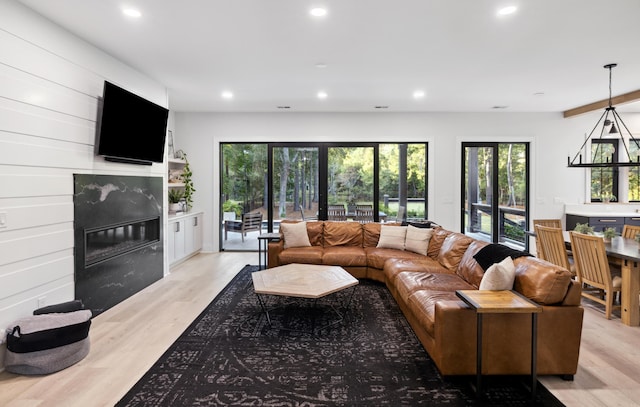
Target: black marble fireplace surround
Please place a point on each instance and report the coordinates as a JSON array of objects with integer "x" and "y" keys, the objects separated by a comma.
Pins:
[{"x": 118, "y": 237}]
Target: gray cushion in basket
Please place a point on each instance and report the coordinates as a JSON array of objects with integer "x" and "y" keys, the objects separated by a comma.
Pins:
[{"x": 47, "y": 343}]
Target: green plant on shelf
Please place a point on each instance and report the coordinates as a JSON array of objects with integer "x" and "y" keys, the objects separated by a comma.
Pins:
[
  {"x": 189, "y": 188},
  {"x": 175, "y": 195}
]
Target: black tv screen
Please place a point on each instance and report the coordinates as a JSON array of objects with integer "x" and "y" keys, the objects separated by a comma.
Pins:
[{"x": 132, "y": 129}]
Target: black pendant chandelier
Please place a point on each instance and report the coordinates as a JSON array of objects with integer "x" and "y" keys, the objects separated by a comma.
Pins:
[{"x": 612, "y": 124}]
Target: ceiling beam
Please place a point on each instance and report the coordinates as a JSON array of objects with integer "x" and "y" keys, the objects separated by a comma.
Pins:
[{"x": 617, "y": 100}]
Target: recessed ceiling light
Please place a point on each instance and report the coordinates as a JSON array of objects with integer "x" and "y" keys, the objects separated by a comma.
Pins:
[
  {"x": 538, "y": 94},
  {"x": 284, "y": 107},
  {"x": 321, "y": 65},
  {"x": 381, "y": 107},
  {"x": 499, "y": 107},
  {"x": 418, "y": 94},
  {"x": 318, "y": 12},
  {"x": 322, "y": 95},
  {"x": 507, "y": 10},
  {"x": 227, "y": 95},
  {"x": 131, "y": 12}
]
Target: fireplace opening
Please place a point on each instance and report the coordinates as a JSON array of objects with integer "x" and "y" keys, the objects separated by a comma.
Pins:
[{"x": 106, "y": 242}]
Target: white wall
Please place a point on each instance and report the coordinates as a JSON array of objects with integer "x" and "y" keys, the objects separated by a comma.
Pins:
[
  {"x": 552, "y": 139},
  {"x": 50, "y": 82}
]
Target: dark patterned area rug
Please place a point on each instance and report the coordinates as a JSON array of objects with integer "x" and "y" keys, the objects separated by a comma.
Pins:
[{"x": 231, "y": 356}]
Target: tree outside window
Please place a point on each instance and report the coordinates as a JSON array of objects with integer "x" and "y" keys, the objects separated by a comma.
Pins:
[{"x": 604, "y": 181}]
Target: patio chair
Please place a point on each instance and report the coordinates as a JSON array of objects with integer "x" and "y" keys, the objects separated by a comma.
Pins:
[
  {"x": 364, "y": 213},
  {"x": 336, "y": 213},
  {"x": 251, "y": 222}
]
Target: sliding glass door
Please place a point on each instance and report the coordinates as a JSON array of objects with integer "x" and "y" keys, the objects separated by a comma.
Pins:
[
  {"x": 295, "y": 182},
  {"x": 309, "y": 181},
  {"x": 350, "y": 182},
  {"x": 403, "y": 181},
  {"x": 243, "y": 191},
  {"x": 495, "y": 192}
]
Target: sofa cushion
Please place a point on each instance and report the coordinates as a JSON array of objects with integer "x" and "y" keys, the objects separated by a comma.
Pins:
[
  {"x": 342, "y": 234},
  {"x": 408, "y": 282},
  {"x": 346, "y": 256},
  {"x": 392, "y": 237},
  {"x": 295, "y": 234},
  {"x": 376, "y": 257},
  {"x": 315, "y": 231},
  {"x": 417, "y": 239},
  {"x": 393, "y": 267},
  {"x": 541, "y": 281},
  {"x": 500, "y": 276},
  {"x": 371, "y": 234},
  {"x": 469, "y": 269},
  {"x": 310, "y": 255},
  {"x": 435, "y": 243},
  {"x": 453, "y": 248}
]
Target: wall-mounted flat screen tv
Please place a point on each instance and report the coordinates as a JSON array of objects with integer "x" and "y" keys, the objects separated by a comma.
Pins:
[{"x": 132, "y": 129}]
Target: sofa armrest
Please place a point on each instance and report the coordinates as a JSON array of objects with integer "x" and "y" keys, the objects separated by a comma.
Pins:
[
  {"x": 455, "y": 332},
  {"x": 559, "y": 335},
  {"x": 275, "y": 248}
]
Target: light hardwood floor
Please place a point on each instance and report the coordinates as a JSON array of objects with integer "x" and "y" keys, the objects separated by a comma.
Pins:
[{"x": 127, "y": 339}]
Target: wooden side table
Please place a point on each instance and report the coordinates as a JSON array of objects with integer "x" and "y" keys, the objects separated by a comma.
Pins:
[
  {"x": 502, "y": 302},
  {"x": 263, "y": 247}
]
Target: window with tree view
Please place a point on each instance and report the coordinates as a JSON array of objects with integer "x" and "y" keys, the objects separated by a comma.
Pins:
[
  {"x": 604, "y": 180},
  {"x": 634, "y": 173}
]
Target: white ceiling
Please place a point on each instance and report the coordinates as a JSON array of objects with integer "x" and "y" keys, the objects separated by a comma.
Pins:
[{"x": 377, "y": 52}]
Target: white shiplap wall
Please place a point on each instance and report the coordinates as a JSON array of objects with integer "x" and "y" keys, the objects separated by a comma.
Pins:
[{"x": 50, "y": 84}]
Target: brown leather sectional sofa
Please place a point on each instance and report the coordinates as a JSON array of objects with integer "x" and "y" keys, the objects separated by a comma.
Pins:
[{"x": 424, "y": 287}]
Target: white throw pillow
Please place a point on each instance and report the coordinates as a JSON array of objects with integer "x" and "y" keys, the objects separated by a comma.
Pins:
[
  {"x": 500, "y": 276},
  {"x": 392, "y": 237},
  {"x": 417, "y": 239},
  {"x": 295, "y": 234}
]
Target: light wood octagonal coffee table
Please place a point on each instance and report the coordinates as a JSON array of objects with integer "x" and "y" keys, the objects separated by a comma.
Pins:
[{"x": 310, "y": 281}]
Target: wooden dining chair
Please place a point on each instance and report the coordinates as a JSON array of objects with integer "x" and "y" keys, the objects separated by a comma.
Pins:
[
  {"x": 592, "y": 270},
  {"x": 630, "y": 231},
  {"x": 552, "y": 247},
  {"x": 552, "y": 223}
]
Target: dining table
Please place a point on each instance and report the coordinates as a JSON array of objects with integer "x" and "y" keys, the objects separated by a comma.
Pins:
[{"x": 624, "y": 252}]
